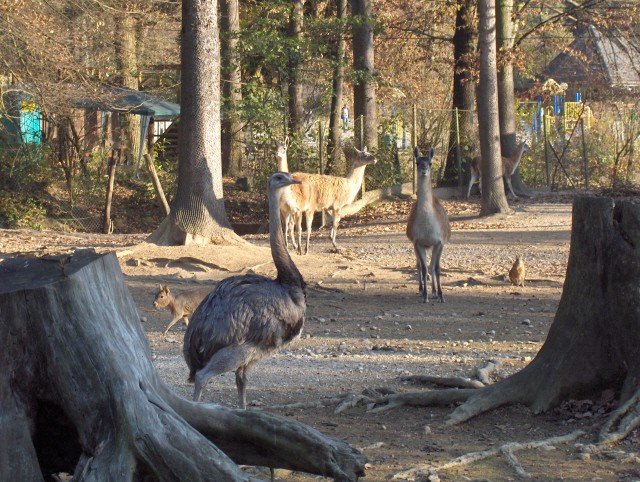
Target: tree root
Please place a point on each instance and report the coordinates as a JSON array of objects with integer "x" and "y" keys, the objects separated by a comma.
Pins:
[
  {"x": 507, "y": 450},
  {"x": 483, "y": 373},
  {"x": 622, "y": 421},
  {"x": 452, "y": 382}
]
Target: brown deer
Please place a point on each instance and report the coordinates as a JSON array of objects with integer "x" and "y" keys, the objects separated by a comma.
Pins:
[
  {"x": 509, "y": 166},
  {"x": 180, "y": 305},
  {"x": 318, "y": 192},
  {"x": 428, "y": 227}
]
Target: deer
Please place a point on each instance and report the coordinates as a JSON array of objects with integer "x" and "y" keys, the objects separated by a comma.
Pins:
[
  {"x": 180, "y": 305},
  {"x": 428, "y": 227},
  {"x": 509, "y": 166},
  {"x": 320, "y": 191}
]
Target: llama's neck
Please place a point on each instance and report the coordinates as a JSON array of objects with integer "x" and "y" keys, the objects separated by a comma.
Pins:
[
  {"x": 283, "y": 165},
  {"x": 425, "y": 192},
  {"x": 287, "y": 271}
]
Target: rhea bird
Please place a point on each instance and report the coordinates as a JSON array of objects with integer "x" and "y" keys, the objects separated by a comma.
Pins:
[{"x": 246, "y": 318}]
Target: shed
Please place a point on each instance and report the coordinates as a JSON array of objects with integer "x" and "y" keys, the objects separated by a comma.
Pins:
[{"x": 598, "y": 61}]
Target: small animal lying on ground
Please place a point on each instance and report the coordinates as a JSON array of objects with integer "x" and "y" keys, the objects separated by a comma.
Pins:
[
  {"x": 181, "y": 304},
  {"x": 517, "y": 271}
]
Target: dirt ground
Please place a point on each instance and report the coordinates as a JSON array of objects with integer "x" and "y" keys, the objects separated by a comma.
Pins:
[{"x": 367, "y": 328}]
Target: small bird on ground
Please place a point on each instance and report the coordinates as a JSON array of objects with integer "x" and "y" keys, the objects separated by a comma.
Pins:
[{"x": 517, "y": 271}]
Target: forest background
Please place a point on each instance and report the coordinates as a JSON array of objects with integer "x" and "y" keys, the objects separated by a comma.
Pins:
[{"x": 287, "y": 69}]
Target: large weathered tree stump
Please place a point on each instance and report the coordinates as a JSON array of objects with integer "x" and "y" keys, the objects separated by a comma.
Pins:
[
  {"x": 593, "y": 341},
  {"x": 79, "y": 393}
]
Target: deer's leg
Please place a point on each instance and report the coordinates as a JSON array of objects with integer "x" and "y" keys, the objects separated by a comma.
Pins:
[
  {"x": 508, "y": 180},
  {"x": 471, "y": 182},
  {"x": 435, "y": 271},
  {"x": 308, "y": 217}
]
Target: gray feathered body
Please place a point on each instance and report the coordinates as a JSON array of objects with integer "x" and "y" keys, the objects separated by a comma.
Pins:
[
  {"x": 258, "y": 313},
  {"x": 246, "y": 318}
]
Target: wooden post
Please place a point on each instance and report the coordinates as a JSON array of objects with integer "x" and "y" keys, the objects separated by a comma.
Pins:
[
  {"x": 546, "y": 147},
  {"x": 157, "y": 187},
  {"x": 414, "y": 143},
  {"x": 107, "y": 225},
  {"x": 585, "y": 160},
  {"x": 458, "y": 153}
]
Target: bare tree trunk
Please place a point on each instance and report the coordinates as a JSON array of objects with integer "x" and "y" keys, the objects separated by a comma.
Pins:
[
  {"x": 126, "y": 53},
  {"x": 465, "y": 38},
  {"x": 493, "y": 196},
  {"x": 79, "y": 392},
  {"x": 593, "y": 341},
  {"x": 197, "y": 211},
  {"x": 334, "y": 148},
  {"x": 364, "y": 89},
  {"x": 506, "y": 92},
  {"x": 296, "y": 104},
  {"x": 231, "y": 90}
]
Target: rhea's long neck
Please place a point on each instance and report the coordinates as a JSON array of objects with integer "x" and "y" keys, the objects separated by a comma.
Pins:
[{"x": 287, "y": 270}]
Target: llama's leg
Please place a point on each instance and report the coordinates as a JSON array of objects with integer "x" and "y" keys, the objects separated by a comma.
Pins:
[
  {"x": 335, "y": 215},
  {"x": 421, "y": 254},
  {"x": 435, "y": 270},
  {"x": 418, "y": 268}
]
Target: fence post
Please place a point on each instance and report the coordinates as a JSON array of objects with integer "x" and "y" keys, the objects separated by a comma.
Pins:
[
  {"x": 546, "y": 148},
  {"x": 458, "y": 153},
  {"x": 321, "y": 146},
  {"x": 414, "y": 143},
  {"x": 585, "y": 159}
]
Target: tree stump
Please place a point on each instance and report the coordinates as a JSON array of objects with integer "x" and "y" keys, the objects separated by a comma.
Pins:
[
  {"x": 79, "y": 393},
  {"x": 593, "y": 342}
]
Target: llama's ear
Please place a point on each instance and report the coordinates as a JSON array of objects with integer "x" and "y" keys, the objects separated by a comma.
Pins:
[
  {"x": 364, "y": 149},
  {"x": 416, "y": 152},
  {"x": 286, "y": 141},
  {"x": 275, "y": 143},
  {"x": 432, "y": 151}
]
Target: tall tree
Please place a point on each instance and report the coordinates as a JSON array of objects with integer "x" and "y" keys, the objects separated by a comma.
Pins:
[
  {"x": 493, "y": 196},
  {"x": 506, "y": 91},
  {"x": 364, "y": 84},
  {"x": 127, "y": 64},
  {"x": 231, "y": 89},
  {"x": 337, "y": 98},
  {"x": 465, "y": 38},
  {"x": 296, "y": 105},
  {"x": 197, "y": 213}
]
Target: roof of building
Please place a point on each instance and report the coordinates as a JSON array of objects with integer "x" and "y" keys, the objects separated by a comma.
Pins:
[
  {"x": 599, "y": 60},
  {"x": 119, "y": 99}
]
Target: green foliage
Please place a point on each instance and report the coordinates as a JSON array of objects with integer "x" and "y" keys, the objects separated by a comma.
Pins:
[{"x": 24, "y": 175}]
